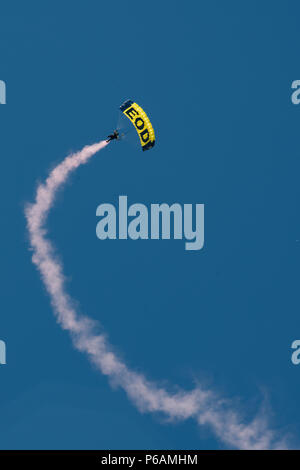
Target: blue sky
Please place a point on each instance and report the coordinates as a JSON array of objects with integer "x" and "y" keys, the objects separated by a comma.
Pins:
[{"x": 216, "y": 81}]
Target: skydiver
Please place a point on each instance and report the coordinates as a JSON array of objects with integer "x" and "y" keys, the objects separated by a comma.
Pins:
[{"x": 113, "y": 136}]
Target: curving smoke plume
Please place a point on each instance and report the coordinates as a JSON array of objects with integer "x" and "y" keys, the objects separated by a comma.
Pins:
[{"x": 200, "y": 404}]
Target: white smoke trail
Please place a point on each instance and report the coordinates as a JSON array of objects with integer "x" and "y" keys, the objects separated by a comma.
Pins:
[{"x": 200, "y": 404}]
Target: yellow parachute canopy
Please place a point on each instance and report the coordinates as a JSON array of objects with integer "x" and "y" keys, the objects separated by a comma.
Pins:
[{"x": 141, "y": 122}]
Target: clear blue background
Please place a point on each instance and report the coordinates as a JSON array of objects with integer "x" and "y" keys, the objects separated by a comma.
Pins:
[{"x": 215, "y": 77}]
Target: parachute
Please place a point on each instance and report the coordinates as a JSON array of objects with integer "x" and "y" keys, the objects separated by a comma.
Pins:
[{"x": 141, "y": 122}]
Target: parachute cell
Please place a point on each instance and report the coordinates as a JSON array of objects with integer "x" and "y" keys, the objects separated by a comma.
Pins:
[{"x": 141, "y": 122}]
